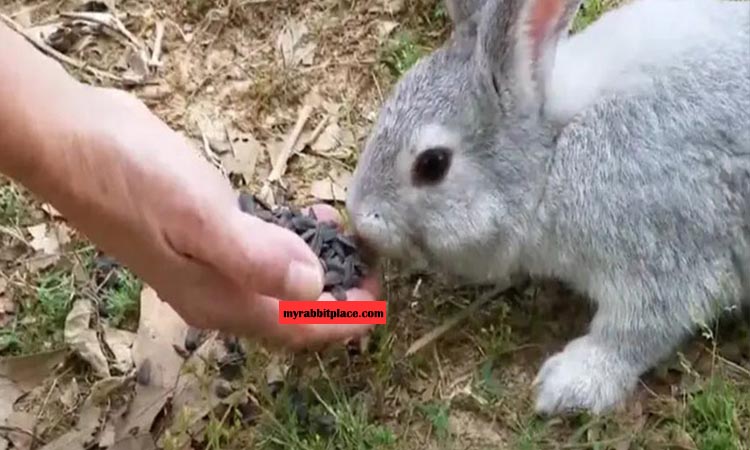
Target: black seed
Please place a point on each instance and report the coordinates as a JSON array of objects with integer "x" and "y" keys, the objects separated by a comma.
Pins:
[
  {"x": 325, "y": 425},
  {"x": 247, "y": 203},
  {"x": 333, "y": 278},
  {"x": 143, "y": 375},
  {"x": 328, "y": 234},
  {"x": 264, "y": 215},
  {"x": 348, "y": 268},
  {"x": 308, "y": 235},
  {"x": 338, "y": 249},
  {"x": 353, "y": 348},
  {"x": 223, "y": 390},
  {"x": 352, "y": 282},
  {"x": 275, "y": 387},
  {"x": 346, "y": 242},
  {"x": 193, "y": 339},
  {"x": 339, "y": 293},
  {"x": 312, "y": 215},
  {"x": 300, "y": 408},
  {"x": 316, "y": 242},
  {"x": 302, "y": 223},
  {"x": 230, "y": 366},
  {"x": 249, "y": 412}
]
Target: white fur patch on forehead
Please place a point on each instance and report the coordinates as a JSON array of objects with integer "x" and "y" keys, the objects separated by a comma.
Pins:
[{"x": 435, "y": 135}]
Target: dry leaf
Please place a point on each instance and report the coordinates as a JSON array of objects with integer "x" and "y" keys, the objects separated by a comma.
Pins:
[
  {"x": 332, "y": 188},
  {"x": 140, "y": 442},
  {"x": 3, "y": 285},
  {"x": 289, "y": 44},
  {"x": 328, "y": 139},
  {"x": 194, "y": 398},
  {"x": 69, "y": 396},
  {"x": 40, "y": 262},
  {"x": 385, "y": 28},
  {"x": 82, "y": 339},
  {"x": 107, "y": 438},
  {"x": 29, "y": 371},
  {"x": 393, "y": 6},
  {"x": 120, "y": 342},
  {"x": 9, "y": 393},
  {"x": 24, "y": 423},
  {"x": 7, "y": 310},
  {"x": 51, "y": 211},
  {"x": 243, "y": 157},
  {"x": 102, "y": 389},
  {"x": 160, "y": 330},
  {"x": 23, "y": 17},
  {"x": 42, "y": 240},
  {"x": 81, "y": 435},
  {"x": 275, "y": 370}
]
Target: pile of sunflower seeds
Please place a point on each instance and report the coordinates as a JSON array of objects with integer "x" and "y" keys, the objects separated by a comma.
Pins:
[{"x": 342, "y": 263}]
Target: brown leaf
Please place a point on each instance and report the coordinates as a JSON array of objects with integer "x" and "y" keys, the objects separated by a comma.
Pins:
[
  {"x": 51, "y": 211},
  {"x": 194, "y": 397},
  {"x": 9, "y": 393},
  {"x": 328, "y": 139},
  {"x": 120, "y": 342},
  {"x": 22, "y": 424},
  {"x": 69, "y": 396},
  {"x": 82, "y": 434},
  {"x": 289, "y": 44},
  {"x": 243, "y": 156},
  {"x": 160, "y": 330},
  {"x": 385, "y": 28},
  {"x": 29, "y": 371},
  {"x": 394, "y": 6},
  {"x": 332, "y": 188},
  {"x": 84, "y": 340},
  {"x": 7, "y": 309},
  {"x": 43, "y": 240}
]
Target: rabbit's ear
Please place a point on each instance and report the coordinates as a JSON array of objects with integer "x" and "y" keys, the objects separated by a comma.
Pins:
[
  {"x": 516, "y": 45},
  {"x": 462, "y": 10}
]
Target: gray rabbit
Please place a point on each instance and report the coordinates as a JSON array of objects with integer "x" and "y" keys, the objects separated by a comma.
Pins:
[{"x": 616, "y": 160}]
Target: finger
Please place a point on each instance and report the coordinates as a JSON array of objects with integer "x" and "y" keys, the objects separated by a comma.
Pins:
[
  {"x": 302, "y": 336},
  {"x": 274, "y": 261}
]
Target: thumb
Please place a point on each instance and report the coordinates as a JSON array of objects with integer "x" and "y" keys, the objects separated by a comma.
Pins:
[{"x": 274, "y": 261}]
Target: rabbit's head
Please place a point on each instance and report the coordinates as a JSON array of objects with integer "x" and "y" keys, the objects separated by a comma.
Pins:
[{"x": 455, "y": 162}]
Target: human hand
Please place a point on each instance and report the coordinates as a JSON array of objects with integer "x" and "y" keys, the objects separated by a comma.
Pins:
[{"x": 139, "y": 192}]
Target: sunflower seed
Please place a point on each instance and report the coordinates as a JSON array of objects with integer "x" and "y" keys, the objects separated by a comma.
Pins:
[{"x": 338, "y": 254}]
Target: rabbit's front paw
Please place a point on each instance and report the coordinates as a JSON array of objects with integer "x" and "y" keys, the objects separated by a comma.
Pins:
[{"x": 584, "y": 376}]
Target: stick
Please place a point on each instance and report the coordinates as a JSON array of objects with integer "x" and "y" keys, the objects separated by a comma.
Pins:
[
  {"x": 286, "y": 152},
  {"x": 156, "y": 55},
  {"x": 107, "y": 20},
  {"x": 51, "y": 52},
  {"x": 437, "y": 332}
]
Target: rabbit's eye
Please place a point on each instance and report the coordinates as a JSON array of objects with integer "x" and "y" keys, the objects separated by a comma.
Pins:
[{"x": 431, "y": 166}]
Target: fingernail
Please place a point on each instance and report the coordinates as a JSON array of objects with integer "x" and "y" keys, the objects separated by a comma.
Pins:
[{"x": 304, "y": 280}]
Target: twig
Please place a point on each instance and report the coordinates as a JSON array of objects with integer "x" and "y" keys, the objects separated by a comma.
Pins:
[
  {"x": 156, "y": 54},
  {"x": 33, "y": 436},
  {"x": 51, "y": 52},
  {"x": 286, "y": 151},
  {"x": 107, "y": 20},
  {"x": 436, "y": 333}
]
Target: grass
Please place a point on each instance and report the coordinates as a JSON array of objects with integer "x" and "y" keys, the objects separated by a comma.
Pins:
[
  {"x": 14, "y": 205},
  {"x": 121, "y": 302},
  {"x": 715, "y": 413},
  {"x": 401, "y": 52}
]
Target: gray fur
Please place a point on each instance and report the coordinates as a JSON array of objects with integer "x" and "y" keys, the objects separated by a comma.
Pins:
[{"x": 639, "y": 199}]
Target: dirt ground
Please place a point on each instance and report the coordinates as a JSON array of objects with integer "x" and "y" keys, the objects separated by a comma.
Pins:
[{"x": 238, "y": 77}]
